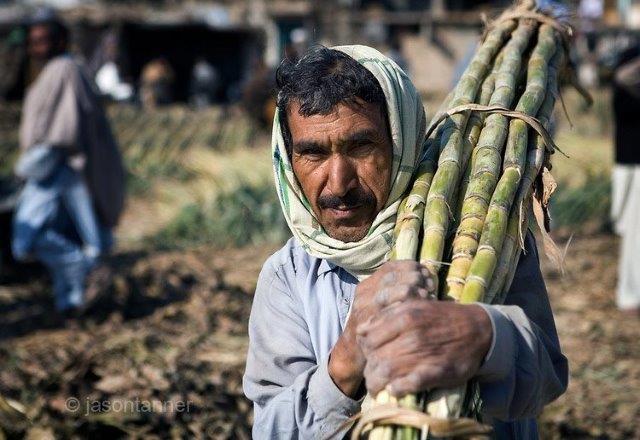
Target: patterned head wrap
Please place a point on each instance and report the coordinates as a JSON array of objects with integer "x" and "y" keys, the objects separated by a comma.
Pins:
[{"x": 407, "y": 122}]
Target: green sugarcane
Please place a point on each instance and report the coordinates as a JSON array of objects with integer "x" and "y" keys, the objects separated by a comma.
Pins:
[
  {"x": 495, "y": 223},
  {"x": 474, "y": 126},
  {"x": 488, "y": 154},
  {"x": 449, "y": 171},
  {"x": 410, "y": 221},
  {"x": 448, "y": 403},
  {"x": 537, "y": 154},
  {"x": 396, "y": 228},
  {"x": 407, "y": 237},
  {"x": 465, "y": 93},
  {"x": 406, "y": 248},
  {"x": 451, "y": 146},
  {"x": 431, "y": 155}
]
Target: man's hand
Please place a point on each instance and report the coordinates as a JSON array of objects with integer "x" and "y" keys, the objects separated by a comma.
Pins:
[
  {"x": 418, "y": 345},
  {"x": 394, "y": 282}
]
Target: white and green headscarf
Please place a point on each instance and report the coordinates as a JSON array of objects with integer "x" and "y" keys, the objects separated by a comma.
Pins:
[{"x": 407, "y": 123}]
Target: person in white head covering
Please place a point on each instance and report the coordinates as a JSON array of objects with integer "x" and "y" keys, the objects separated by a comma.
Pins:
[{"x": 331, "y": 316}]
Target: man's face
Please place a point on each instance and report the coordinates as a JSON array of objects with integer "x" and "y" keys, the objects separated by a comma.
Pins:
[
  {"x": 40, "y": 44},
  {"x": 343, "y": 164}
]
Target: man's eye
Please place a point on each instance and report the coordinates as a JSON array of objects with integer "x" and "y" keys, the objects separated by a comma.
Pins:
[
  {"x": 364, "y": 148},
  {"x": 312, "y": 153}
]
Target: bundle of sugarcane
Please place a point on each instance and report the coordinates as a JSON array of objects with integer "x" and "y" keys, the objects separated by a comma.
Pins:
[{"x": 467, "y": 212}]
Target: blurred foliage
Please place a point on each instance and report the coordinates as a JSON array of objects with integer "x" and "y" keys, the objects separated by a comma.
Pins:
[
  {"x": 247, "y": 215},
  {"x": 154, "y": 143},
  {"x": 9, "y": 123},
  {"x": 585, "y": 206},
  {"x": 144, "y": 166}
]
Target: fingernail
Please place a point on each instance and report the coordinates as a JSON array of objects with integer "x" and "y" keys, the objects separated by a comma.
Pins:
[
  {"x": 431, "y": 285},
  {"x": 390, "y": 389}
]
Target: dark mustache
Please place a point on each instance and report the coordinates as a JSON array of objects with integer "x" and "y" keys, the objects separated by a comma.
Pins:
[{"x": 350, "y": 200}]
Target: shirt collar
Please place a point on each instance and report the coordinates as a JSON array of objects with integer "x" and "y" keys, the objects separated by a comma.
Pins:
[{"x": 325, "y": 266}]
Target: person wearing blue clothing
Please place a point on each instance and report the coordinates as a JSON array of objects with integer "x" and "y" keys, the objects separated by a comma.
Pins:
[
  {"x": 74, "y": 178},
  {"x": 332, "y": 318}
]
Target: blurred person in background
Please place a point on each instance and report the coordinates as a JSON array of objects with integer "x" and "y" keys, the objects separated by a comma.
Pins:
[
  {"x": 107, "y": 72},
  {"x": 204, "y": 85},
  {"x": 156, "y": 86},
  {"x": 259, "y": 93},
  {"x": 395, "y": 53},
  {"x": 73, "y": 171},
  {"x": 590, "y": 13},
  {"x": 625, "y": 207}
]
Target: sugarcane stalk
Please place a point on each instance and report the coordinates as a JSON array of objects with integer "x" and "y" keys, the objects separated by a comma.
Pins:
[
  {"x": 408, "y": 228},
  {"x": 488, "y": 206},
  {"x": 465, "y": 93},
  {"x": 495, "y": 224},
  {"x": 472, "y": 135},
  {"x": 406, "y": 244},
  {"x": 396, "y": 229},
  {"x": 449, "y": 171},
  {"x": 448, "y": 402},
  {"x": 450, "y": 152},
  {"x": 474, "y": 126},
  {"x": 488, "y": 154},
  {"x": 519, "y": 213}
]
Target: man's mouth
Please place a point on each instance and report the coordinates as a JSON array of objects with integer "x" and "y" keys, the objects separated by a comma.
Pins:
[{"x": 344, "y": 211}]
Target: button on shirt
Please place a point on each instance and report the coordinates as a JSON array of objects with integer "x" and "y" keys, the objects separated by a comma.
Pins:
[{"x": 300, "y": 309}]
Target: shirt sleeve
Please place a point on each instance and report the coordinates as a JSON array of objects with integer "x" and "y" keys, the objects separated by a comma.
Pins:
[
  {"x": 525, "y": 368},
  {"x": 628, "y": 76},
  {"x": 292, "y": 392},
  {"x": 38, "y": 162}
]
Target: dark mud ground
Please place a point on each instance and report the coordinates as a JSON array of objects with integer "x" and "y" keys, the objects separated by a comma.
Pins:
[{"x": 170, "y": 331}]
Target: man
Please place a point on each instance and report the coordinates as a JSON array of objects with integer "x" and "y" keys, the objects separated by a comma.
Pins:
[
  {"x": 73, "y": 171},
  {"x": 156, "y": 84},
  {"x": 330, "y": 316},
  {"x": 205, "y": 81},
  {"x": 625, "y": 205}
]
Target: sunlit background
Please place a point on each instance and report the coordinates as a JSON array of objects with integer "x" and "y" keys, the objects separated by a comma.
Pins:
[{"x": 202, "y": 214}]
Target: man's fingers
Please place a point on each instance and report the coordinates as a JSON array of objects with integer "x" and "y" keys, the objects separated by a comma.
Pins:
[
  {"x": 431, "y": 280},
  {"x": 376, "y": 377},
  {"x": 403, "y": 275},
  {"x": 392, "y": 322},
  {"x": 389, "y": 295},
  {"x": 408, "y": 272},
  {"x": 422, "y": 378},
  {"x": 378, "y": 372},
  {"x": 394, "y": 319}
]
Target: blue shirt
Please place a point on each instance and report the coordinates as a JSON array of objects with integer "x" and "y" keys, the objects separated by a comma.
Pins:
[{"x": 300, "y": 309}]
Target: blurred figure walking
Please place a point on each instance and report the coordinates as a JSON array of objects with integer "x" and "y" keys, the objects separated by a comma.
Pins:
[
  {"x": 625, "y": 207},
  {"x": 156, "y": 86},
  {"x": 107, "y": 75},
  {"x": 74, "y": 176},
  {"x": 204, "y": 84}
]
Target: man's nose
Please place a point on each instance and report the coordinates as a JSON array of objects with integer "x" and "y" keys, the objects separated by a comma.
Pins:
[{"x": 342, "y": 176}]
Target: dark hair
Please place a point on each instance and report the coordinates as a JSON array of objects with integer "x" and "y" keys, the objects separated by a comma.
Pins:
[
  {"x": 321, "y": 79},
  {"x": 58, "y": 32}
]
